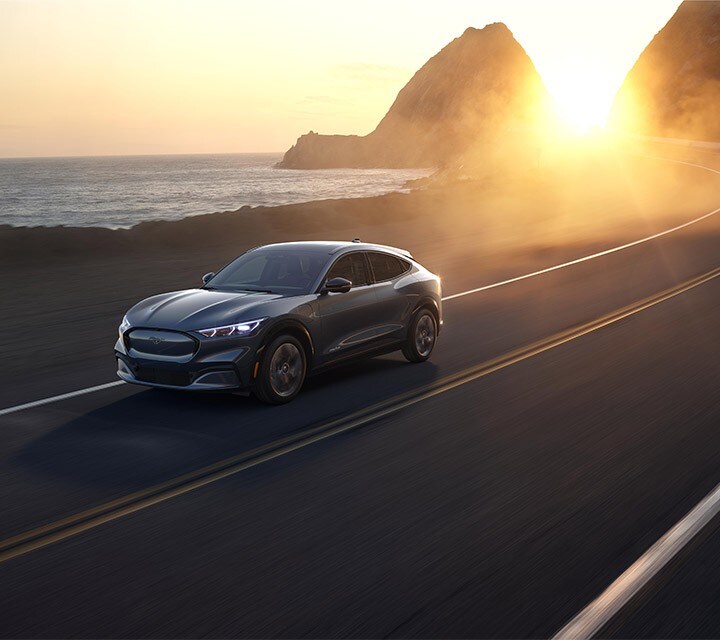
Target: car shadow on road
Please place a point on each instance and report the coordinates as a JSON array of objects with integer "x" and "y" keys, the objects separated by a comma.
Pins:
[{"x": 154, "y": 435}]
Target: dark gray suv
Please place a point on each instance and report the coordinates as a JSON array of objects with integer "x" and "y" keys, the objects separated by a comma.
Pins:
[{"x": 278, "y": 313}]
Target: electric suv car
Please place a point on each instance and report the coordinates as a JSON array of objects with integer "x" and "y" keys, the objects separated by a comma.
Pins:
[{"x": 278, "y": 313}]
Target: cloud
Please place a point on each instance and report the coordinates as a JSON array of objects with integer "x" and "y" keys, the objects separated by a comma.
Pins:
[{"x": 318, "y": 105}]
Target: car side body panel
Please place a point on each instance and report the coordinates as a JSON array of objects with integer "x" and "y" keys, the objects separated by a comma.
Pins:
[{"x": 347, "y": 322}]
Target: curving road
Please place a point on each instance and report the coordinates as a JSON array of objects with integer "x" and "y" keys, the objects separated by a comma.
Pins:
[{"x": 495, "y": 491}]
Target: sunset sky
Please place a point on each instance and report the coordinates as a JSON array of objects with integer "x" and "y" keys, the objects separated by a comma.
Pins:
[{"x": 96, "y": 77}]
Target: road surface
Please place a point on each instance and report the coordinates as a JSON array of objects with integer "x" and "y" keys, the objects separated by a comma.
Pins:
[{"x": 497, "y": 507}]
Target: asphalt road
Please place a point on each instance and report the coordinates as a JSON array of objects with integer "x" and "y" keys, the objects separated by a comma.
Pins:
[{"x": 499, "y": 508}]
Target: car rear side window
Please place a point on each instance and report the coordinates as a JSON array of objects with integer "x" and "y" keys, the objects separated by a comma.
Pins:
[
  {"x": 387, "y": 267},
  {"x": 351, "y": 267}
]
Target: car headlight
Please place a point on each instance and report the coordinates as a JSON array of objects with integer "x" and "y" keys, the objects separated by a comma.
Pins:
[
  {"x": 239, "y": 329},
  {"x": 124, "y": 326}
]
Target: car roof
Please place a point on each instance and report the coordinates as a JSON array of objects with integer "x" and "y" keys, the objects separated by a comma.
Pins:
[{"x": 334, "y": 246}]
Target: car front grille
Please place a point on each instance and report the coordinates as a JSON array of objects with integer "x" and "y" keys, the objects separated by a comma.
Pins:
[{"x": 160, "y": 345}]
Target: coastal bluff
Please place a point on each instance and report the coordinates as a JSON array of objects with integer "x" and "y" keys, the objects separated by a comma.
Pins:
[
  {"x": 673, "y": 90},
  {"x": 479, "y": 89}
]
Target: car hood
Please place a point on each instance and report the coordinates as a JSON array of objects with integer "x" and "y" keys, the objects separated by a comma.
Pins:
[{"x": 194, "y": 309}]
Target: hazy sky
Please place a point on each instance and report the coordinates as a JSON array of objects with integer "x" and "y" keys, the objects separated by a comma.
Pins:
[{"x": 85, "y": 77}]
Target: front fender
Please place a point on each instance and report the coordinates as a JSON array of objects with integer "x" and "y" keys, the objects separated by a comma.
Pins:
[{"x": 293, "y": 327}]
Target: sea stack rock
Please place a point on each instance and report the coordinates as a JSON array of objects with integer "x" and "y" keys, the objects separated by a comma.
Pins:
[
  {"x": 477, "y": 90},
  {"x": 674, "y": 88}
]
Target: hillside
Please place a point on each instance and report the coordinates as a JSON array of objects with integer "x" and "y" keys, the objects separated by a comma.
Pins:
[
  {"x": 674, "y": 88},
  {"x": 480, "y": 89}
]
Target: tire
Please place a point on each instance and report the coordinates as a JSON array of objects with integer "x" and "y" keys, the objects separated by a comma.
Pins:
[
  {"x": 282, "y": 371},
  {"x": 422, "y": 337}
]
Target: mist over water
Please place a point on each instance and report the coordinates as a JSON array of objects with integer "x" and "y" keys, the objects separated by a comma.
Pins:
[{"x": 122, "y": 191}]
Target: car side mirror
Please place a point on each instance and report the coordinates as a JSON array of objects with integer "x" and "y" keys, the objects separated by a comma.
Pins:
[
  {"x": 337, "y": 285},
  {"x": 207, "y": 277}
]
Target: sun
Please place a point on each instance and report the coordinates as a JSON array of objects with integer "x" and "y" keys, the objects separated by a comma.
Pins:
[{"x": 581, "y": 104}]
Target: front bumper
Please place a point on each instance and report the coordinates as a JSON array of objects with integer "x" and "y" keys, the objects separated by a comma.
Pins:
[
  {"x": 216, "y": 370},
  {"x": 217, "y": 380}
]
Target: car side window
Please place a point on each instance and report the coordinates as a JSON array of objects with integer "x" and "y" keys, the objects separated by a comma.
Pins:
[
  {"x": 387, "y": 267},
  {"x": 351, "y": 267}
]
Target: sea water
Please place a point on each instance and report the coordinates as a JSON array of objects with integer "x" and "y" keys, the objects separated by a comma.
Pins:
[{"x": 121, "y": 191}]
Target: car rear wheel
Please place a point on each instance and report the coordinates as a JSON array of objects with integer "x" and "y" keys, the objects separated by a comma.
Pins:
[
  {"x": 421, "y": 337},
  {"x": 282, "y": 371}
]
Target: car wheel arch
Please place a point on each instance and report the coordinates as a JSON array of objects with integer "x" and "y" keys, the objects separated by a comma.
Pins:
[
  {"x": 294, "y": 328},
  {"x": 431, "y": 305}
]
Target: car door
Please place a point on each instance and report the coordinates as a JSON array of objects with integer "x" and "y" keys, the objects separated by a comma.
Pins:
[
  {"x": 348, "y": 323},
  {"x": 394, "y": 291}
]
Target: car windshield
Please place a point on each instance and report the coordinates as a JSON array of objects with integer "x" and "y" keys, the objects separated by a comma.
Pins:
[{"x": 286, "y": 271}]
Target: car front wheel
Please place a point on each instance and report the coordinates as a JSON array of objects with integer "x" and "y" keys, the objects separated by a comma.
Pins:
[
  {"x": 421, "y": 337},
  {"x": 282, "y": 371}
]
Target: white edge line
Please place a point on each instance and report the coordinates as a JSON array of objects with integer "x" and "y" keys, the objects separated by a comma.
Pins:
[
  {"x": 108, "y": 385},
  {"x": 601, "y": 610},
  {"x": 62, "y": 396},
  {"x": 600, "y": 253},
  {"x": 590, "y": 620}
]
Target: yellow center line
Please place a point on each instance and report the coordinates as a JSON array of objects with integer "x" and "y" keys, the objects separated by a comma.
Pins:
[{"x": 89, "y": 519}]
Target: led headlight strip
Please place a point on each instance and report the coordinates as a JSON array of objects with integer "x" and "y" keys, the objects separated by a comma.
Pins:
[{"x": 239, "y": 329}]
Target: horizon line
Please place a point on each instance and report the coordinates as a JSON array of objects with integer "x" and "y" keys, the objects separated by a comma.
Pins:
[{"x": 140, "y": 155}]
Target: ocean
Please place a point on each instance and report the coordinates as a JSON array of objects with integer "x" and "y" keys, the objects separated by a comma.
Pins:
[{"x": 121, "y": 191}]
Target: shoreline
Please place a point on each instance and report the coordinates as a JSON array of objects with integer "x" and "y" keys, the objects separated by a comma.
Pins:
[
  {"x": 20, "y": 244},
  {"x": 121, "y": 192},
  {"x": 508, "y": 209},
  {"x": 410, "y": 185}
]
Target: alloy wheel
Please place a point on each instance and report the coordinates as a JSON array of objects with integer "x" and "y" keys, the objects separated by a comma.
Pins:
[
  {"x": 286, "y": 370},
  {"x": 425, "y": 335}
]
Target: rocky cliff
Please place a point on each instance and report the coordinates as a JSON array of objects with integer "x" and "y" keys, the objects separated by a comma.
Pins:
[
  {"x": 477, "y": 91},
  {"x": 674, "y": 88}
]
